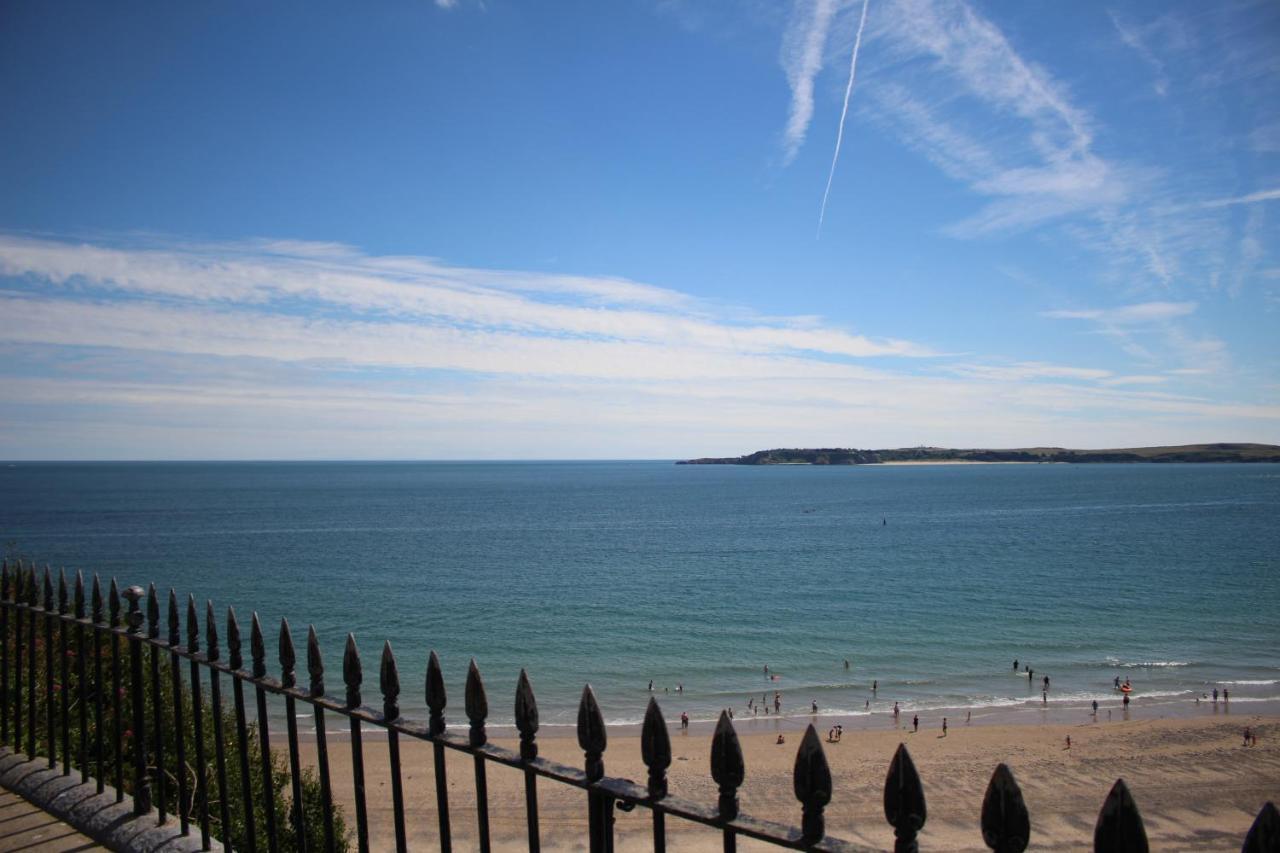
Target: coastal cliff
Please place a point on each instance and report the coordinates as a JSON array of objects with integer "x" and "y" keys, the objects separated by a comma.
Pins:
[{"x": 851, "y": 456}]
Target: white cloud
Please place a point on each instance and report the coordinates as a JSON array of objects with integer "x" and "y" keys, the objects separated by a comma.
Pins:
[
  {"x": 1028, "y": 370},
  {"x": 298, "y": 350},
  {"x": 1127, "y": 315},
  {"x": 1135, "y": 39},
  {"x": 802, "y": 55},
  {"x": 1136, "y": 379},
  {"x": 957, "y": 91},
  {"x": 424, "y": 291},
  {"x": 1249, "y": 198}
]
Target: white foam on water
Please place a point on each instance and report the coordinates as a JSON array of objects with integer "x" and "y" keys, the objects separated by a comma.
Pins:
[{"x": 1252, "y": 681}]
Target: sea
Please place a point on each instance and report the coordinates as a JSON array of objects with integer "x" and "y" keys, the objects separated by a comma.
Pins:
[{"x": 646, "y": 578}]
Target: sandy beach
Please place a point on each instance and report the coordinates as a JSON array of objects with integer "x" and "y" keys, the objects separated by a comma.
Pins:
[{"x": 1195, "y": 784}]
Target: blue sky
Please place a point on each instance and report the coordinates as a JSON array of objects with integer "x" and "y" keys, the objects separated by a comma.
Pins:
[{"x": 590, "y": 230}]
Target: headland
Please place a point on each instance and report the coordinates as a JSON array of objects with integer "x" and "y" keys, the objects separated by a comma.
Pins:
[{"x": 1220, "y": 452}]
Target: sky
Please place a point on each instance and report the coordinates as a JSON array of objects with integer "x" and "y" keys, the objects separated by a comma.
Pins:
[{"x": 454, "y": 229}]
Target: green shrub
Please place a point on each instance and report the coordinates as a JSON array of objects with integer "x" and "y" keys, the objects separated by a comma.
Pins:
[{"x": 23, "y": 586}]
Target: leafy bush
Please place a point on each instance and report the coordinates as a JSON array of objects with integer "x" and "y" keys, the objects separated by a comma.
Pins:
[{"x": 98, "y": 648}]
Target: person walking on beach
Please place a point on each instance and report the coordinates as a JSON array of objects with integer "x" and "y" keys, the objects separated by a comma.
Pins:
[
  {"x": 1247, "y": 735},
  {"x": 1225, "y": 694},
  {"x": 1095, "y": 707},
  {"x": 915, "y": 724},
  {"x": 944, "y": 726},
  {"x": 1068, "y": 741},
  {"x": 968, "y": 715}
]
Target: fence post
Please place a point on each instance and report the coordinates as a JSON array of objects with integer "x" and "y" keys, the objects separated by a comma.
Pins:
[
  {"x": 436, "y": 700},
  {"x": 4, "y": 652},
  {"x": 655, "y": 751},
  {"x": 141, "y": 782},
  {"x": 526, "y": 714},
  {"x": 593, "y": 740},
  {"x": 904, "y": 805},
  {"x": 1006, "y": 826},
  {"x": 812, "y": 786},
  {"x": 476, "y": 705},
  {"x": 1119, "y": 828}
]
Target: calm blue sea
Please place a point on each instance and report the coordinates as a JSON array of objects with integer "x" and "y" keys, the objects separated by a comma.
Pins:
[{"x": 929, "y": 580}]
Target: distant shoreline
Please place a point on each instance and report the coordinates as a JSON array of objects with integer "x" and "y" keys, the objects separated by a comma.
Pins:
[{"x": 1194, "y": 453}]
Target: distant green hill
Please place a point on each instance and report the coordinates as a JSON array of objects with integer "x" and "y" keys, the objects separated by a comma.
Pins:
[{"x": 848, "y": 456}]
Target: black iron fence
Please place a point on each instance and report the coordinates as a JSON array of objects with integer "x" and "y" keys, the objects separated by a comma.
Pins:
[{"x": 95, "y": 684}]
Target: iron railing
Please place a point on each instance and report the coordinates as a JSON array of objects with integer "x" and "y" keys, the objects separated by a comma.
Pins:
[{"x": 58, "y": 625}]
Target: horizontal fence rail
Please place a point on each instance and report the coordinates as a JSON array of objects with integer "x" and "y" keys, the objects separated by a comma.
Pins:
[{"x": 116, "y": 704}]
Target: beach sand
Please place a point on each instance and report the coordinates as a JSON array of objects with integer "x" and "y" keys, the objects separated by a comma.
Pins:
[{"x": 1195, "y": 784}]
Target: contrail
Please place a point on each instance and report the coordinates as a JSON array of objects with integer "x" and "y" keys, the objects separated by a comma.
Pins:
[{"x": 848, "y": 90}]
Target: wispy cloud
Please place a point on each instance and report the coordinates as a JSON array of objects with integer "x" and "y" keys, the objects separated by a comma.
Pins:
[
  {"x": 802, "y": 55},
  {"x": 958, "y": 92},
  {"x": 949, "y": 84},
  {"x": 1135, "y": 39},
  {"x": 414, "y": 312},
  {"x": 1157, "y": 325},
  {"x": 263, "y": 348},
  {"x": 1126, "y": 315},
  {"x": 1250, "y": 198}
]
